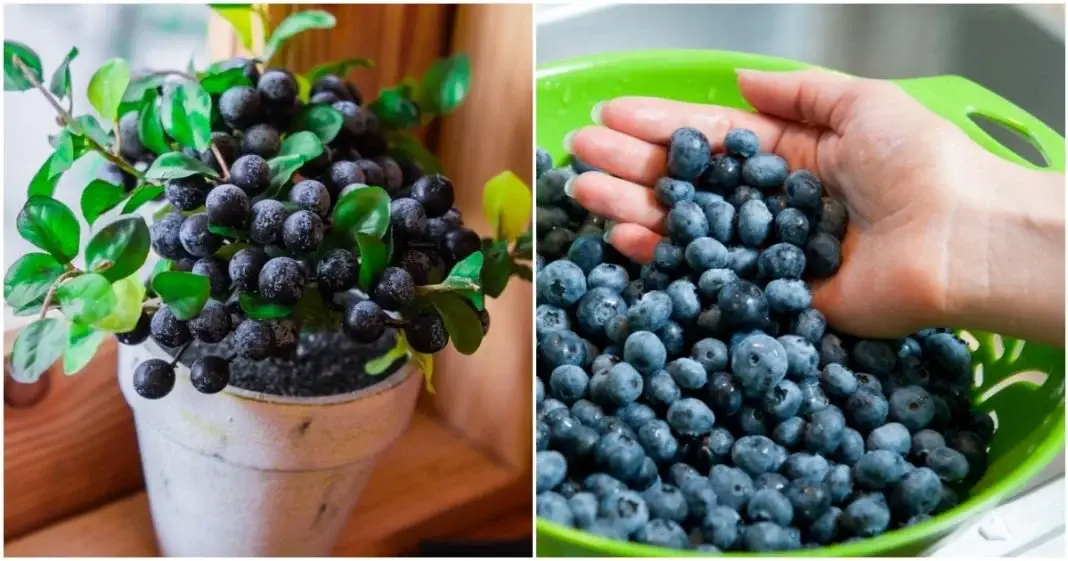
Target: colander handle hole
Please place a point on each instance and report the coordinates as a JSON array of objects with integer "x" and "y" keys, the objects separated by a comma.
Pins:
[{"x": 1011, "y": 137}]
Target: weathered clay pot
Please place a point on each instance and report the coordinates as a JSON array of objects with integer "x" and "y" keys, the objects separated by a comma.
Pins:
[{"x": 241, "y": 473}]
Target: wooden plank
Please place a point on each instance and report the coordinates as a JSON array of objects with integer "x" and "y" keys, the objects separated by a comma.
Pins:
[
  {"x": 488, "y": 396},
  {"x": 429, "y": 484},
  {"x": 72, "y": 450}
]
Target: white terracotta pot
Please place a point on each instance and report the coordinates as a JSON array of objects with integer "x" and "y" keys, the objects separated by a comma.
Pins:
[{"x": 241, "y": 473}]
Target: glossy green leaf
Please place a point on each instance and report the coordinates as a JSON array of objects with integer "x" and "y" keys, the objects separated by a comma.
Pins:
[
  {"x": 523, "y": 272},
  {"x": 86, "y": 298},
  {"x": 139, "y": 86},
  {"x": 129, "y": 295},
  {"x": 89, "y": 126},
  {"x": 14, "y": 79},
  {"x": 461, "y": 321},
  {"x": 304, "y": 144},
  {"x": 340, "y": 68},
  {"x": 294, "y": 24},
  {"x": 363, "y": 211},
  {"x": 222, "y": 80},
  {"x": 51, "y": 226},
  {"x": 282, "y": 170},
  {"x": 467, "y": 270},
  {"x": 59, "y": 85},
  {"x": 258, "y": 308},
  {"x": 496, "y": 270},
  {"x": 445, "y": 85},
  {"x": 379, "y": 365},
  {"x": 303, "y": 88},
  {"x": 119, "y": 249},
  {"x": 425, "y": 361},
  {"x": 314, "y": 316},
  {"x": 395, "y": 109},
  {"x": 107, "y": 87},
  {"x": 323, "y": 120},
  {"x": 507, "y": 203},
  {"x": 373, "y": 259},
  {"x": 524, "y": 246},
  {"x": 404, "y": 146},
  {"x": 186, "y": 114},
  {"x": 140, "y": 196},
  {"x": 43, "y": 182},
  {"x": 63, "y": 156},
  {"x": 37, "y": 347},
  {"x": 82, "y": 344},
  {"x": 185, "y": 293},
  {"x": 175, "y": 165},
  {"x": 243, "y": 19},
  {"x": 28, "y": 279},
  {"x": 149, "y": 127},
  {"x": 99, "y": 197}
]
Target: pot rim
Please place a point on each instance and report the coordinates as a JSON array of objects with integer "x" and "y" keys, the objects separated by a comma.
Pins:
[{"x": 393, "y": 381}]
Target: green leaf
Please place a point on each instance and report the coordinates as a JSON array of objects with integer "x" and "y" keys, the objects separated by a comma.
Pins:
[
  {"x": 36, "y": 348},
  {"x": 129, "y": 295},
  {"x": 323, "y": 120},
  {"x": 135, "y": 92},
  {"x": 507, "y": 203},
  {"x": 43, "y": 182},
  {"x": 315, "y": 316},
  {"x": 524, "y": 246},
  {"x": 228, "y": 232},
  {"x": 258, "y": 308},
  {"x": 28, "y": 279},
  {"x": 82, "y": 344},
  {"x": 405, "y": 146},
  {"x": 227, "y": 251},
  {"x": 294, "y": 24},
  {"x": 340, "y": 68},
  {"x": 497, "y": 269},
  {"x": 86, "y": 298},
  {"x": 303, "y": 88},
  {"x": 445, "y": 85},
  {"x": 304, "y": 144},
  {"x": 217, "y": 82},
  {"x": 395, "y": 109},
  {"x": 185, "y": 293},
  {"x": 363, "y": 211},
  {"x": 63, "y": 157},
  {"x": 466, "y": 270},
  {"x": 373, "y": 259},
  {"x": 282, "y": 169},
  {"x": 14, "y": 79},
  {"x": 243, "y": 18},
  {"x": 523, "y": 271},
  {"x": 149, "y": 128},
  {"x": 140, "y": 196},
  {"x": 107, "y": 87},
  {"x": 99, "y": 197},
  {"x": 461, "y": 321},
  {"x": 175, "y": 165},
  {"x": 379, "y": 365},
  {"x": 88, "y": 125},
  {"x": 426, "y": 364},
  {"x": 59, "y": 85},
  {"x": 51, "y": 226},
  {"x": 161, "y": 266},
  {"x": 119, "y": 249},
  {"x": 186, "y": 114}
]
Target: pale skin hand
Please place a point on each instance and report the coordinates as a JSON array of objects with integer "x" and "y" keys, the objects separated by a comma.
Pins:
[{"x": 941, "y": 232}]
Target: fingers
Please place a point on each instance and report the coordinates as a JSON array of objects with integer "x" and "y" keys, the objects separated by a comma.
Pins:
[
  {"x": 634, "y": 241},
  {"x": 817, "y": 97},
  {"x": 618, "y": 200},
  {"x": 623, "y": 156},
  {"x": 652, "y": 120}
]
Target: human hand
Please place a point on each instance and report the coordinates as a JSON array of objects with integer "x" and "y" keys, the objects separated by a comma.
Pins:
[{"x": 922, "y": 196}]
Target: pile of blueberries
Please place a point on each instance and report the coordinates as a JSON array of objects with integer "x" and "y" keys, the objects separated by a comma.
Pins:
[
  {"x": 700, "y": 402},
  {"x": 285, "y": 254}
]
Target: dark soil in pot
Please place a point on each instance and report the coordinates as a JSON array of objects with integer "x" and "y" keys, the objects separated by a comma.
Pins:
[{"x": 325, "y": 364}]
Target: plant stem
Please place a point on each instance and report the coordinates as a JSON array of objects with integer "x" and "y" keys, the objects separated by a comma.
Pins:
[
  {"x": 222, "y": 162},
  {"x": 118, "y": 141},
  {"x": 396, "y": 322},
  {"x": 178, "y": 355},
  {"x": 165, "y": 73},
  {"x": 52, "y": 290},
  {"x": 65, "y": 115}
]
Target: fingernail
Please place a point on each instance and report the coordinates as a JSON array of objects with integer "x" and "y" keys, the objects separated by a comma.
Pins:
[
  {"x": 569, "y": 186},
  {"x": 595, "y": 113},
  {"x": 568, "y": 138},
  {"x": 608, "y": 227}
]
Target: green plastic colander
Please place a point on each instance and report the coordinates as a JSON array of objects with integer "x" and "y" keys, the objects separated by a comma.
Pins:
[{"x": 1020, "y": 384}]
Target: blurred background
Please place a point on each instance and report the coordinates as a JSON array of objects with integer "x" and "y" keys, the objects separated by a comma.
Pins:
[
  {"x": 1017, "y": 51},
  {"x": 1014, "y": 50}
]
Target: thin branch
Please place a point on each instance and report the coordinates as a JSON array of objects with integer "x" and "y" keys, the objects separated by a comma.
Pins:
[
  {"x": 65, "y": 115},
  {"x": 52, "y": 290},
  {"x": 222, "y": 163},
  {"x": 178, "y": 355},
  {"x": 118, "y": 141},
  {"x": 396, "y": 322}
]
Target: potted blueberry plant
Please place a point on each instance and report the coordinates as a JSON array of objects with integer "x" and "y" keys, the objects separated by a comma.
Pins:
[{"x": 304, "y": 263}]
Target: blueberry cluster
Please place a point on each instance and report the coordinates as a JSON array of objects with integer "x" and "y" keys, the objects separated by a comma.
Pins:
[
  {"x": 287, "y": 249},
  {"x": 700, "y": 402}
]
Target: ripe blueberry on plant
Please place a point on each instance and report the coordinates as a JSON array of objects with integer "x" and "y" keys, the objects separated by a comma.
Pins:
[
  {"x": 276, "y": 213},
  {"x": 767, "y": 430}
]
